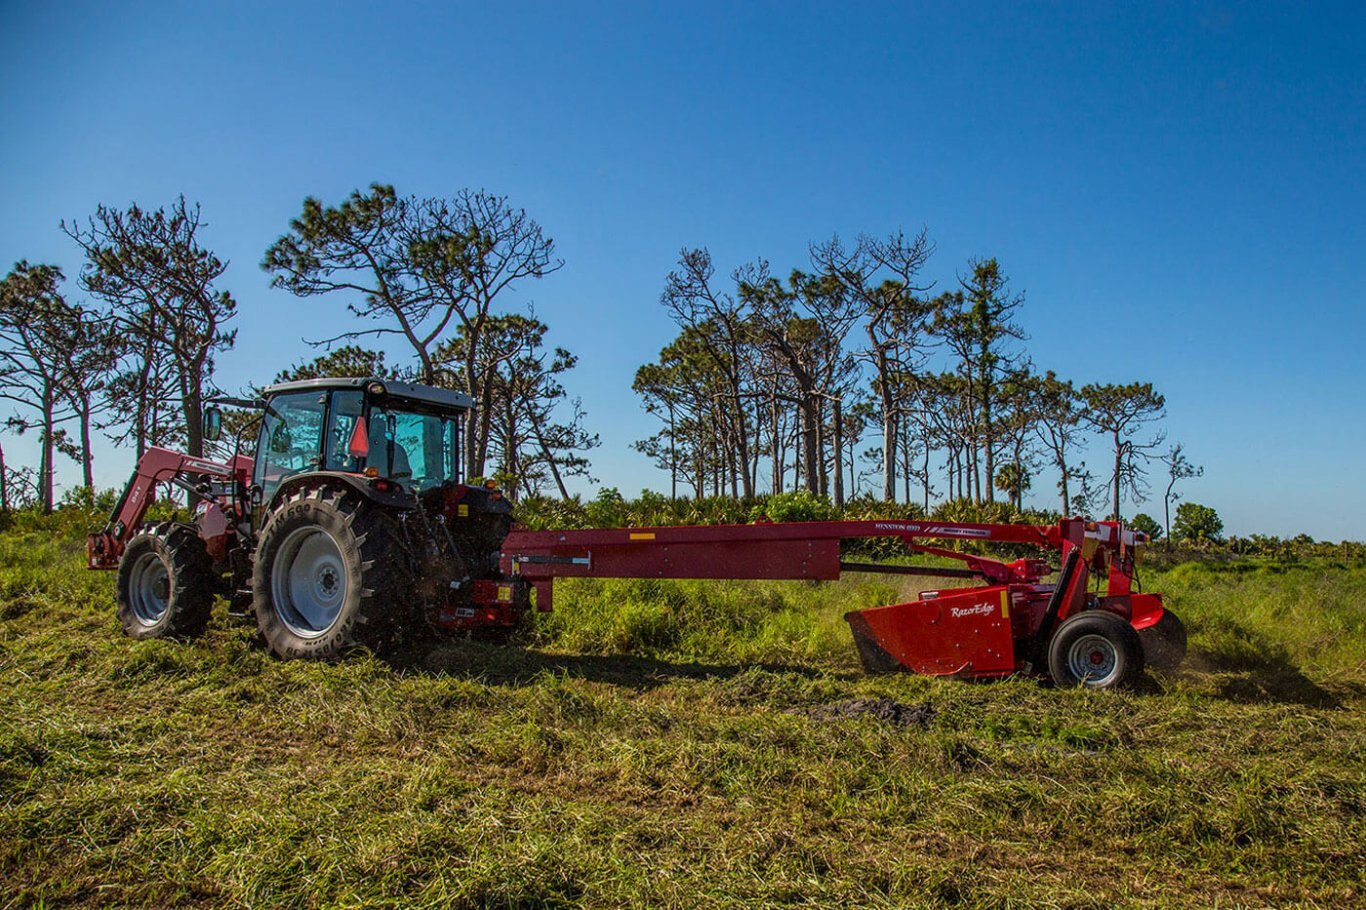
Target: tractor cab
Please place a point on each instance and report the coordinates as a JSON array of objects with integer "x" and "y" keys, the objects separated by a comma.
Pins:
[{"x": 392, "y": 436}]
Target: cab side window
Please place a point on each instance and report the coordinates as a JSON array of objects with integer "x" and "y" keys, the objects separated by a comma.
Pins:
[{"x": 347, "y": 443}]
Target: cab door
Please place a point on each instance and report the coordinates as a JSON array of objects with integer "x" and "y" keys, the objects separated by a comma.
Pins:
[{"x": 290, "y": 441}]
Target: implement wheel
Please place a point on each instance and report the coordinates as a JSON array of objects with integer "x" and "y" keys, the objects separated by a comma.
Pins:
[
  {"x": 1164, "y": 643},
  {"x": 323, "y": 581},
  {"x": 1095, "y": 649},
  {"x": 165, "y": 584}
]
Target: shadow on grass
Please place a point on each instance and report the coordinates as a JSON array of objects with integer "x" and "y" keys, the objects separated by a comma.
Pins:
[
  {"x": 1285, "y": 684},
  {"x": 1253, "y": 668},
  {"x": 519, "y": 665}
]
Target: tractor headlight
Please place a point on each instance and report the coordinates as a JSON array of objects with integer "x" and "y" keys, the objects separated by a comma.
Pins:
[{"x": 375, "y": 388}]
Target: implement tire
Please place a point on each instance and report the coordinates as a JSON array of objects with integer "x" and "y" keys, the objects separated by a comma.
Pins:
[
  {"x": 1164, "y": 643},
  {"x": 323, "y": 581},
  {"x": 1095, "y": 649},
  {"x": 165, "y": 584}
]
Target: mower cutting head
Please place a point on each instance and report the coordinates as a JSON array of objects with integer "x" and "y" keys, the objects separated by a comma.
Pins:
[{"x": 1002, "y": 629}]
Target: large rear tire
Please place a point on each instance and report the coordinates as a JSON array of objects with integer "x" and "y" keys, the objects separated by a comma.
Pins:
[
  {"x": 324, "y": 580},
  {"x": 165, "y": 584},
  {"x": 1096, "y": 649},
  {"x": 1164, "y": 643}
]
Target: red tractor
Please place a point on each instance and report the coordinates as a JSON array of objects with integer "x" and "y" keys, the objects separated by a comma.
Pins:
[{"x": 352, "y": 526}]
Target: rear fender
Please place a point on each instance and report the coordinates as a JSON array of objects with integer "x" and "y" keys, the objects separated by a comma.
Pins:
[
  {"x": 1145, "y": 610},
  {"x": 393, "y": 498},
  {"x": 1141, "y": 610}
]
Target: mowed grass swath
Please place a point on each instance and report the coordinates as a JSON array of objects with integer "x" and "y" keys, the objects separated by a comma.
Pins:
[{"x": 670, "y": 743}]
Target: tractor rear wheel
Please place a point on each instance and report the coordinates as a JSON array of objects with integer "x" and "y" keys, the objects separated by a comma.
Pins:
[
  {"x": 164, "y": 584},
  {"x": 1095, "y": 649},
  {"x": 1164, "y": 643},
  {"x": 324, "y": 579}
]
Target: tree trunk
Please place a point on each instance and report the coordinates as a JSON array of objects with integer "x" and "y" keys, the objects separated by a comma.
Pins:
[
  {"x": 673, "y": 457},
  {"x": 853, "y": 459},
  {"x": 811, "y": 457},
  {"x": 839, "y": 454},
  {"x": 822, "y": 479},
  {"x": 756, "y": 454},
  {"x": 905, "y": 472},
  {"x": 1167, "y": 518},
  {"x": 1118, "y": 464},
  {"x": 1066, "y": 500},
  {"x": 193, "y": 405},
  {"x": 926, "y": 478},
  {"x": 975, "y": 480},
  {"x": 988, "y": 436},
  {"x": 741, "y": 451},
  {"x": 45, "y": 456},
  {"x": 889, "y": 431},
  {"x": 87, "y": 457},
  {"x": 777, "y": 449},
  {"x": 739, "y": 469},
  {"x": 481, "y": 419},
  {"x": 550, "y": 459}
]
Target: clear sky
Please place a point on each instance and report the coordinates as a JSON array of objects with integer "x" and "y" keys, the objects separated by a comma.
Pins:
[{"x": 1180, "y": 189}]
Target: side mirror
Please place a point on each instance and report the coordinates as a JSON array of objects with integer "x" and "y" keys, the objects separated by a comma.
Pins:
[{"x": 213, "y": 423}]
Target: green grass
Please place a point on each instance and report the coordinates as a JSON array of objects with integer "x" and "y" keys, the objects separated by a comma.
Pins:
[{"x": 649, "y": 744}]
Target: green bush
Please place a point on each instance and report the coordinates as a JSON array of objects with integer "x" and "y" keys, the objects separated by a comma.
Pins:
[
  {"x": 798, "y": 505},
  {"x": 607, "y": 510},
  {"x": 1196, "y": 523},
  {"x": 1147, "y": 524}
]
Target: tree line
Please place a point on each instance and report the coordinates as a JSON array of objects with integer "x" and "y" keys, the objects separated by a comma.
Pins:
[
  {"x": 850, "y": 374},
  {"x": 136, "y": 358},
  {"x": 777, "y": 380}
]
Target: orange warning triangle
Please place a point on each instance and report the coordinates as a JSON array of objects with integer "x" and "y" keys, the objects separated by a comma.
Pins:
[{"x": 359, "y": 446}]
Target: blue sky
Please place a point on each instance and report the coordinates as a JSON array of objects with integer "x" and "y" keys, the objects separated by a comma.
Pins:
[{"x": 1178, "y": 189}]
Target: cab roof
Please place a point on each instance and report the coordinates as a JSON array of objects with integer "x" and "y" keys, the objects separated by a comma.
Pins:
[{"x": 444, "y": 398}]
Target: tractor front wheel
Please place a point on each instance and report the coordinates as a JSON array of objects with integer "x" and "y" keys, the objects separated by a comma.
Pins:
[
  {"x": 323, "y": 581},
  {"x": 1095, "y": 649},
  {"x": 165, "y": 584}
]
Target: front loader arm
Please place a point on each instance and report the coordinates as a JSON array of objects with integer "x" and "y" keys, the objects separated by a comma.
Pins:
[{"x": 157, "y": 465}]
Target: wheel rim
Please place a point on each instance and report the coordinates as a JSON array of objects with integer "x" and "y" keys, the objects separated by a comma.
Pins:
[
  {"x": 1093, "y": 659},
  {"x": 308, "y": 582},
  {"x": 149, "y": 589}
]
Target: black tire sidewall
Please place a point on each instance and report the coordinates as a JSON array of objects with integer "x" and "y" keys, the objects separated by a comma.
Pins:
[
  {"x": 1115, "y": 629},
  {"x": 326, "y": 515},
  {"x": 189, "y": 598}
]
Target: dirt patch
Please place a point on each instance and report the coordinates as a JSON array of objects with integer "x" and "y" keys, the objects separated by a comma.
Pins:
[{"x": 881, "y": 708}]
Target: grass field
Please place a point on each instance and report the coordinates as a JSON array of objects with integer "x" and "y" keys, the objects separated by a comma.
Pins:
[{"x": 670, "y": 744}]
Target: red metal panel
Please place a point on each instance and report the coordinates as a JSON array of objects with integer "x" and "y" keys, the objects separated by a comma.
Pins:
[
  {"x": 808, "y": 559},
  {"x": 1145, "y": 610},
  {"x": 798, "y": 550},
  {"x": 965, "y": 633},
  {"x": 545, "y": 541}
]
